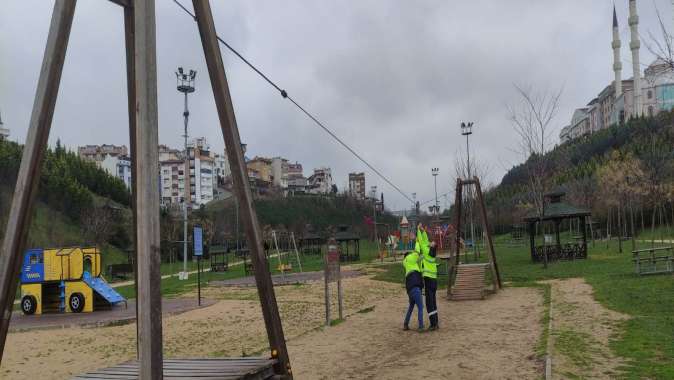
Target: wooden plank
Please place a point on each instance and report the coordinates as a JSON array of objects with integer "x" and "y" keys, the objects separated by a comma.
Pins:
[
  {"x": 123, "y": 3},
  {"x": 147, "y": 197},
  {"x": 129, "y": 31},
  {"x": 211, "y": 368},
  {"x": 21, "y": 210},
  {"x": 243, "y": 193}
]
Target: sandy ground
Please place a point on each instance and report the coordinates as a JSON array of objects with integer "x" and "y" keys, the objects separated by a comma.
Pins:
[
  {"x": 491, "y": 339},
  {"x": 495, "y": 338},
  {"x": 581, "y": 331}
]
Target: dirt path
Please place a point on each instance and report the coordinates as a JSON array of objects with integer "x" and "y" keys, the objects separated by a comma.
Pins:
[
  {"x": 492, "y": 339},
  {"x": 581, "y": 331},
  {"x": 483, "y": 339}
]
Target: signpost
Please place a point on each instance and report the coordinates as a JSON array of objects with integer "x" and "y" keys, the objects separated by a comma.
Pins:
[
  {"x": 332, "y": 274},
  {"x": 198, "y": 252}
]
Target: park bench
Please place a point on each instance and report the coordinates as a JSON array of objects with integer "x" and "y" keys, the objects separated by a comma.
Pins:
[
  {"x": 653, "y": 260},
  {"x": 120, "y": 271}
]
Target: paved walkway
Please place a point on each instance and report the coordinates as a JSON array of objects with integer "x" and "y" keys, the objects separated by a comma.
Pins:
[
  {"x": 114, "y": 316},
  {"x": 288, "y": 279}
]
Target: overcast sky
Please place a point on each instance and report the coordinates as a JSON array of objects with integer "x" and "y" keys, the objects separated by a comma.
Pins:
[{"x": 393, "y": 78}]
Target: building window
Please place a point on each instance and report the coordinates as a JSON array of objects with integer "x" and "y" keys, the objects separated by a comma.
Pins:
[{"x": 649, "y": 94}]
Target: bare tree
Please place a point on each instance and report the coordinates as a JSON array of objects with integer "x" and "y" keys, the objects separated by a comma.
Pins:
[
  {"x": 98, "y": 224},
  {"x": 663, "y": 48},
  {"x": 532, "y": 116}
]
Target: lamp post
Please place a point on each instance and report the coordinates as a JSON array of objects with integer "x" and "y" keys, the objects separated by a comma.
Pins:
[
  {"x": 467, "y": 130},
  {"x": 434, "y": 172},
  {"x": 185, "y": 84}
]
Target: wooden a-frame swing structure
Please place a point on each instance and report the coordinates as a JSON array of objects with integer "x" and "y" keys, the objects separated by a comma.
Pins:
[
  {"x": 141, "y": 58},
  {"x": 466, "y": 281}
]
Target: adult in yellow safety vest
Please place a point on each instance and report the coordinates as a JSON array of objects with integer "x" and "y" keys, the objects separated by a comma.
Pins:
[
  {"x": 429, "y": 269},
  {"x": 413, "y": 284}
]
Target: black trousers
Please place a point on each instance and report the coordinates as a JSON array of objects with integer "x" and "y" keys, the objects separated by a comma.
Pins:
[{"x": 430, "y": 288}]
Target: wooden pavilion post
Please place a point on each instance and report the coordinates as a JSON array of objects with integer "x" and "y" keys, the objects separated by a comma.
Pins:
[
  {"x": 230, "y": 132},
  {"x": 21, "y": 211},
  {"x": 531, "y": 229},
  {"x": 147, "y": 195},
  {"x": 558, "y": 241},
  {"x": 582, "y": 220},
  {"x": 486, "y": 228}
]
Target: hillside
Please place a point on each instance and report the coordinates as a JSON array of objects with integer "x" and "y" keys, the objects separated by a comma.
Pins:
[
  {"x": 295, "y": 213},
  {"x": 625, "y": 165},
  {"x": 71, "y": 192}
]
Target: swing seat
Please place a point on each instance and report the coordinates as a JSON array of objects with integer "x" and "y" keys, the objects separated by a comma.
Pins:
[{"x": 285, "y": 267}]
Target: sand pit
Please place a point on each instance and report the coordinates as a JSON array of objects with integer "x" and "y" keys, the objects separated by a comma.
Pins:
[{"x": 482, "y": 339}]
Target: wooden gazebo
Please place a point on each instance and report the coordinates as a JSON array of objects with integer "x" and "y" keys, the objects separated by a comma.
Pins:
[
  {"x": 555, "y": 211},
  {"x": 346, "y": 239},
  {"x": 311, "y": 243}
]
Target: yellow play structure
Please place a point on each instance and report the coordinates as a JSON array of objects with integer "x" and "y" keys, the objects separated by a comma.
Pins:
[{"x": 64, "y": 280}]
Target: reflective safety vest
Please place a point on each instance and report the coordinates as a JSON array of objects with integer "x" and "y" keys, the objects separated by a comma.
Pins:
[
  {"x": 411, "y": 263},
  {"x": 422, "y": 245},
  {"x": 429, "y": 266}
]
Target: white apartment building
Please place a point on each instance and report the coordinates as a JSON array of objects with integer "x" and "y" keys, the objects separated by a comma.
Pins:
[
  {"x": 118, "y": 166},
  {"x": 279, "y": 172},
  {"x": 321, "y": 181},
  {"x": 4, "y": 132},
  {"x": 97, "y": 153},
  {"x": 173, "y": 182}
]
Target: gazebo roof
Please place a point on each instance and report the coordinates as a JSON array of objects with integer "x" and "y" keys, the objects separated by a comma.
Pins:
[
  {"x": 344, "y": 233},
  {"x": 558, "y": 210},
  {"x": 310, "y": 235}
]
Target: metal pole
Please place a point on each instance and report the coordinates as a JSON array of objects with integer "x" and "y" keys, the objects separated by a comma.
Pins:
[
  {"x": 230, "y": 132},
  {"x": 437, "y": 205},
  {"x": 147, "y": 201},
  {"x": 21, "y": 211},
  {"x": 199, "y": 280},
  {"x": 470, "y": 199},
  {"x": 188, "y": 197}
]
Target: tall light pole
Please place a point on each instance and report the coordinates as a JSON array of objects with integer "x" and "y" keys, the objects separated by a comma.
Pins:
[
  {"x": 373, "y": 190},
  {"x": 185, "y": 84},
  {"x": 467, "y": 130},
  {"x": 435, "y": 171}
]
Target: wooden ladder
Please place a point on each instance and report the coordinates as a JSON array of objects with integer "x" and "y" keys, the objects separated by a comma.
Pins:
[{"x": 469, "y": 283}]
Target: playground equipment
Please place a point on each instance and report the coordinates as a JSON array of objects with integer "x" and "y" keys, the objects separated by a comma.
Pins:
[
  {"x": 466, "y": 281},
  {"x": 406, "y": 241},
  {"x": 285, "y": 251},
  {"x": 141, "y": 69},
  {"x": 64, "y": 280}
]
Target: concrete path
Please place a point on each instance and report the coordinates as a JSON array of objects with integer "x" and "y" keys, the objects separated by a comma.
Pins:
[{"x": 115, "y": 316}]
